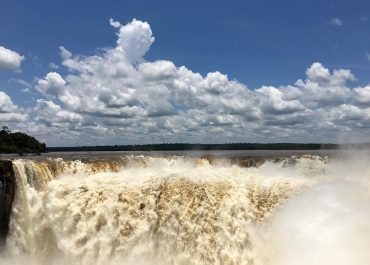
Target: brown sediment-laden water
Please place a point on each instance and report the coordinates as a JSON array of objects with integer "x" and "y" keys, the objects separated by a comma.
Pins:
[{"x": 180, "y": 209}]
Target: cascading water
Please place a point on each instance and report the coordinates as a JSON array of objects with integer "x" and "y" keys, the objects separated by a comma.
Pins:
[{"x": 182, "y": 210}]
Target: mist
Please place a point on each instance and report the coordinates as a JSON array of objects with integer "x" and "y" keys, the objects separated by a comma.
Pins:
[{"x": 328, "y": 223}]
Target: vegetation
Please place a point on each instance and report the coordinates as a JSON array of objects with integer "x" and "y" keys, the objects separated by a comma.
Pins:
[
  {"x": 183, "y": 146},
  {"x": 22, "y": 143},
  {"x": 19, "y": 143}
]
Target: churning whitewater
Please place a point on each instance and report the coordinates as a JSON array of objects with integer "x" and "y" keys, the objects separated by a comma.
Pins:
[{"x": 143, "y": 210}]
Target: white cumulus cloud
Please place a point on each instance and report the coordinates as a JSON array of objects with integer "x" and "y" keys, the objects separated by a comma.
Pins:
[
  {"x": 116, "y": 96},
  {"x": 134, "y": 39},
  {"x": 9, "y": 112},
  {"x": 10, "y": 60},
  {"x": 53, "y": 84}
]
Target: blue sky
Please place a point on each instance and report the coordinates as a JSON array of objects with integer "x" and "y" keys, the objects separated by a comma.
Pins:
[{"x": 257, "y": 43}]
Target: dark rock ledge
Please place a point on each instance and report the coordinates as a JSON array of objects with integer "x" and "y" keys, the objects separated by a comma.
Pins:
[{"x": 7, "y": 190}]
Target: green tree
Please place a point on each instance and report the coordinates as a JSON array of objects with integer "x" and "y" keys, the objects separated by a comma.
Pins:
[{"x": 19, "y": 142}]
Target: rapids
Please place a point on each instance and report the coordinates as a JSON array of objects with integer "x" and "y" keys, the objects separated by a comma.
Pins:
[{"x": 141, "y": 210}]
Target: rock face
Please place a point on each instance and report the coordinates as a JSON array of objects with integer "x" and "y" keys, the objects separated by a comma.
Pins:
[{"x": 7, "y": 190}]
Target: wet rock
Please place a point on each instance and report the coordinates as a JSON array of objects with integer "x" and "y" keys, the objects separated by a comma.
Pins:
[{"x": 7, "y": 190}]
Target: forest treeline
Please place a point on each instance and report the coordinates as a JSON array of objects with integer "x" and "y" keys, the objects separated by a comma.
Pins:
[
  {"x": 200, "y": 147},
  {"x": 19, "y": 143}
]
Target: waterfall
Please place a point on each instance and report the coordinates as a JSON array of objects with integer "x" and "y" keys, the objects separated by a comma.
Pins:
[{"x": 181, "y": 210}]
